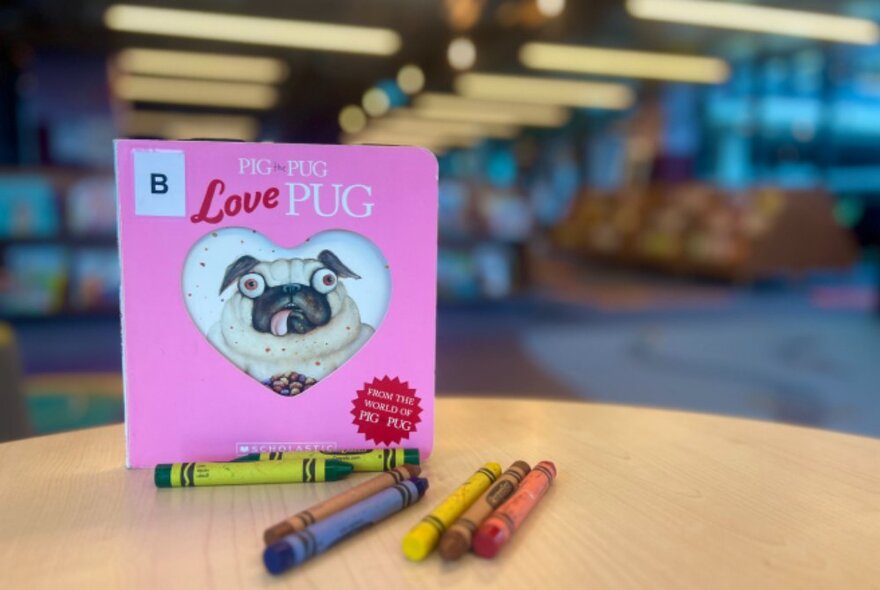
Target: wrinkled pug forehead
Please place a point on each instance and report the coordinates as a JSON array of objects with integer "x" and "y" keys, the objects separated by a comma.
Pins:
[{"x": 283, "y": 272}]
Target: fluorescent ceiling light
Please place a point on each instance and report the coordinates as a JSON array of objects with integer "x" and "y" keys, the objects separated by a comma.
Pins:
[
  {"x": 760, "y": 19},
  {"x": 195, "y": 92},
  {"x": 550, "y": 8},
  {"x": 213, "y": 66},
  {"x": 433, "y": 143},
  {"x": 374, "y": 134},
  {"x": 251, "y": 29},
  {"x": 409, "y": 121},
  {"x": 376, "y": 102},
  {"x": 411, "y": 79},
  {"x": 461, "y": 53},
  {"x": 457, "y": 108},
  {"x": 452, "y": 115},
  {"x": 437, "y": 149},
  {"x": 352, "y": 119},
  {"x": 574, "y": 93},
  {"x": 175, "y": 125},
  {"x": 619, "y": 62}
]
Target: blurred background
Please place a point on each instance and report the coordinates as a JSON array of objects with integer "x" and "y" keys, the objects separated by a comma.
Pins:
[{"x": 672, "y": 203}]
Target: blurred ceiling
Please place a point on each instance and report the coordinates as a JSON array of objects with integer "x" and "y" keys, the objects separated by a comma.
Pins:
[{"x": 321, "y": 83}]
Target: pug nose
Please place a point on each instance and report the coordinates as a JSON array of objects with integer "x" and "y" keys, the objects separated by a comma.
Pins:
[{"x": 291, "y": 289}]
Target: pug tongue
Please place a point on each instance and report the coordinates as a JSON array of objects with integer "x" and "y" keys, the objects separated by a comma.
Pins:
[{"x": 278, "y": 323}]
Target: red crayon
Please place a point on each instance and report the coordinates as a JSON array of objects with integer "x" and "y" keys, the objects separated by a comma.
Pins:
[{"x": 499, "y": 528}]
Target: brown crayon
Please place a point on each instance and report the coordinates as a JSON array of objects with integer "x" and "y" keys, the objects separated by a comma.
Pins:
[
  {"x": 499, "y": 528},
  {"x": 301, "y": 520},
  {"x": 457, "y": 539}
]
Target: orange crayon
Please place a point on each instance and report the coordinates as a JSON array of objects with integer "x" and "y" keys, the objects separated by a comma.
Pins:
[
  {"x": 499, "y": 528},
  {"x": 457, "y": 538}
]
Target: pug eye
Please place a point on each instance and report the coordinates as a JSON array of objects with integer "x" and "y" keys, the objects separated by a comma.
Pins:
[
  {"x": 252, "y": 285},
  {"x": 323, "y": 281}
]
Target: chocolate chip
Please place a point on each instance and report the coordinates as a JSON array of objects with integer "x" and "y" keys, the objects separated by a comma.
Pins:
[{"x": 290, "y": 383}]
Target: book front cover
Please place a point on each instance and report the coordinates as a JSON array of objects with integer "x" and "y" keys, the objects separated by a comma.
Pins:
[{"x": 275, "y": 298}]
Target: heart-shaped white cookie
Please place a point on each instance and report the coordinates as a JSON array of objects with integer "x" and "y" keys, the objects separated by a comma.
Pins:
[{"x": 288, "y": 317}]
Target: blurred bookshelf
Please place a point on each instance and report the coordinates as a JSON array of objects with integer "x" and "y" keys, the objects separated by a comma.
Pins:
[
  {"x": 58, "y": 253},
  {"x": 703, "y": 231}
]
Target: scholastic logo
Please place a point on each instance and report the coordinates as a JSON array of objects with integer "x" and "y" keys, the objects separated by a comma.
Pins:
[{"x": 246, "y": 448}]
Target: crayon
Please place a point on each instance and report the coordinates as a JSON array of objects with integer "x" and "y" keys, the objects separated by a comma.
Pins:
[
  {"x": 457, "y": 539},
  {"x": 421, "y": 540},
  {"x": 499, "y": 528},
  {"x": 187, "y": 475},
  {"x": 318, "y": 512},
  {"x": 294, "y": 549},
  {"x": 363, "y": 460}
]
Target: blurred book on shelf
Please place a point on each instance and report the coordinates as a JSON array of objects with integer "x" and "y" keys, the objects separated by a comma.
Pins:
[
  {"x": 35, "y": 278},
  {"x": 28, "y": 208},
  {"x": 91, "y": 207},
  {"x": 94, "y": 284}
]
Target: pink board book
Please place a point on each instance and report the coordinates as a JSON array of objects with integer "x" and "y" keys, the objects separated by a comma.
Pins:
[{"x": 275, "y": 298}]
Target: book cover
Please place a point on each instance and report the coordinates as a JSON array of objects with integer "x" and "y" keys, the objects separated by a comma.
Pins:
[{"x": 275, "y": 297}]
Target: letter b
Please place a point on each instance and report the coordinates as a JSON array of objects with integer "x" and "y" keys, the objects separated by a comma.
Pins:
[{"x": 158, "y": 184}]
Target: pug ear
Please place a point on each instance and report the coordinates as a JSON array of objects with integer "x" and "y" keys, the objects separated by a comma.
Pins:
[
  {"x": 237, "y": 269},
  {"x": 331, "y": 261}
]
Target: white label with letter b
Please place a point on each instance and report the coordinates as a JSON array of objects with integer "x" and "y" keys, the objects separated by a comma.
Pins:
[{"x": 159, "y": 183}]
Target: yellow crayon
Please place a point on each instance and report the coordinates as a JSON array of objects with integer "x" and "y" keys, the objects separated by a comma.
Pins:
[
  {"x": 193, "y": 475},
  {"x": 421, "y": 540}
]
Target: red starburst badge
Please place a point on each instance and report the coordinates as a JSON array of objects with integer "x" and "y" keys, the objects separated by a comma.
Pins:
[{"x": 386, "y": 410}]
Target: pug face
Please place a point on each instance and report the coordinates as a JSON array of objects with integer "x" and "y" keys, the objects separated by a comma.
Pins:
[{"x": 292, "y": 296}]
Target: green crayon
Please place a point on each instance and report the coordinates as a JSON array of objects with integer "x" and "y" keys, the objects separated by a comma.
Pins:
[
  {"x": 362, "y": 460},
  {"x": 188, "y": 475}
]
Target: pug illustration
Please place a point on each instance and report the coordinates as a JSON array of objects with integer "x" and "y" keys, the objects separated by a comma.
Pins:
[{"x": 289, "y": 319}]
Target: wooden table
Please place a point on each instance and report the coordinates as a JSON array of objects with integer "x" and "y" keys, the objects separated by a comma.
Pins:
[{"x": 644, "y": 499}]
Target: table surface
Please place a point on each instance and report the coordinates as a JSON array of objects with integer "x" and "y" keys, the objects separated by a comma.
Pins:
[{"x": 644, "y": 499}]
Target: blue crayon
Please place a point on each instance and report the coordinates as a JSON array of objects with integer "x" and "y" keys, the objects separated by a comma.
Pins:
[{"x": 299, "y": 547}]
